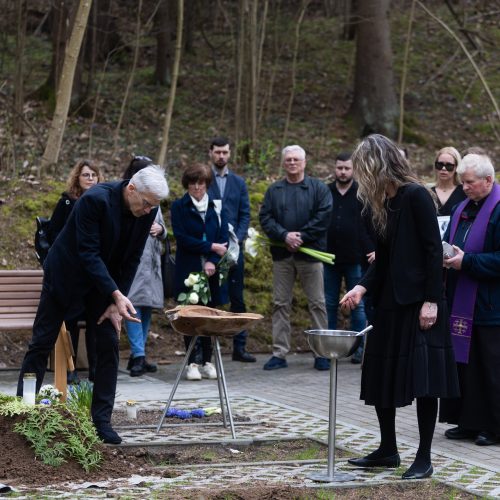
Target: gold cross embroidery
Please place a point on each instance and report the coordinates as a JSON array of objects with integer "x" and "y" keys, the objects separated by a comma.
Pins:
[{"x": 460, "y": 326}]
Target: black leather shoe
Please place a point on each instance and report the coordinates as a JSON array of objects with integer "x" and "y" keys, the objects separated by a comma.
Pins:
[
  {"x": 244, "y": 357},
  {"x": 486, "y": 438},
  {"x": 390, "y": 461},
  {"x": 137, "y": 367},
  {"x": 149, "y": 367},
  {"x": 459, "y": 433},
  {"x": 108, "y": 435},
  {"x": 415, "y": 473}
]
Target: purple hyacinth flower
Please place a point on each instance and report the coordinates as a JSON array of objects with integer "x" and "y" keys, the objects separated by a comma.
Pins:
[{"x": 198, "y": 413}]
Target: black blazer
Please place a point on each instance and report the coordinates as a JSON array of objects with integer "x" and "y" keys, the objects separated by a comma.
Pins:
[
  {"x": 86, "y": 256},
  {"x": 416, "y": 254}
]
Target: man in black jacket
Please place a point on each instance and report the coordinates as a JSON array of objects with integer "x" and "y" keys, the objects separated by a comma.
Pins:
[
  {"x": 348, "y": 237},
  {"x": 92, "y": 264},
  {"x": 295, "y": 213}
]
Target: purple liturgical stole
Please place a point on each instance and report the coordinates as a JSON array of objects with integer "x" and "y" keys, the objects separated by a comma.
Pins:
[{"x": 464, "y": 300}]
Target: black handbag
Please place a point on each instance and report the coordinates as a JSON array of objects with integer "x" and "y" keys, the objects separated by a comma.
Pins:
[{"x": 167, "y": 271}]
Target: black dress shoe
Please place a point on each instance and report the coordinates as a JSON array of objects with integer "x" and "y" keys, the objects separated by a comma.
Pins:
[
  {"x": 137, "y": 367},
  {"x": 390, "y": 461},
  {"x": 108, "y": 435},
  {"x": 415, "y": 473},
  {"x": 244, "y": 357},
  {"x": 486, "y": 438},
  {"x": 149, "y": 367},
  {"x": 460, "y": 433}
]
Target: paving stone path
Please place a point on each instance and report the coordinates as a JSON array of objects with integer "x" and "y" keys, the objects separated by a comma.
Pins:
[{"x": 286, "y": 404}]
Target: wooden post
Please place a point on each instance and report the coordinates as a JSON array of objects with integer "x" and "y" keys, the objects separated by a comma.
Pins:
[{"x": 63, "y": 361}]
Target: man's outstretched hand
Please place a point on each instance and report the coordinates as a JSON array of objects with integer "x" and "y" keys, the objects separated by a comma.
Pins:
[{"x": 121, "y": 309}]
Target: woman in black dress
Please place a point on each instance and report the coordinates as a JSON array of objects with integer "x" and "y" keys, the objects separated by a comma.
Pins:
[
  {"x": 84, "y": 175},
  {"x": 408, "y": 354},
  {"x": 448, "y": 189}
]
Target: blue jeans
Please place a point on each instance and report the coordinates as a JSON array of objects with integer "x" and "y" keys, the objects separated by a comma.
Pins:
[
  {"x": 138, "y": 332},
  {"x": 333, "y": 278}
]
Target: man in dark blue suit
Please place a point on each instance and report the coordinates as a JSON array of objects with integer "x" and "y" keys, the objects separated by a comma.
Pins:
[
  {"x": 232, "y": 190},
  {"x": 91, "y": 265}
]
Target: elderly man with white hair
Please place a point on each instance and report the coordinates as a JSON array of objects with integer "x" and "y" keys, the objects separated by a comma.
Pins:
[
  {"x": 296, "y": 212},
  {"x": 473, "y": 291}
]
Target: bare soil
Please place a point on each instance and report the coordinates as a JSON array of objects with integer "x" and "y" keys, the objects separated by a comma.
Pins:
[{"x": 18, "y": 467}]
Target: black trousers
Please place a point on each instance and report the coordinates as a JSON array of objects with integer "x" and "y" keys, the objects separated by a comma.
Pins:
[
  {"x": 478, "y": 408},
  {"x": 48, "y": 321}
]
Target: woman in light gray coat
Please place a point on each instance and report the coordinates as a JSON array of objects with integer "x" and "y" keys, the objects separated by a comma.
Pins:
[{"x": 146, "y": 291}]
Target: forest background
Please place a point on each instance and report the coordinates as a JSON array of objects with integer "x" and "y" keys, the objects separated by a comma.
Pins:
[{"x": 161, "y": 77}]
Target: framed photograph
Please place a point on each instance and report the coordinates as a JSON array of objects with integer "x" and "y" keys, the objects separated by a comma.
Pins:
[{"x": 443, "y": 221}]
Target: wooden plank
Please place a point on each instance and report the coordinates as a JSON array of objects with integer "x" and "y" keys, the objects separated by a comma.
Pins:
[
  {"x": 20, "y": 287},
  {"x": 21, "y": 272},
  {"x": 61, "y": 363},
  {"x": 19, "y": 308},
  {"x": 16, "y": 324},
  {"x": 7, "y": 298}
]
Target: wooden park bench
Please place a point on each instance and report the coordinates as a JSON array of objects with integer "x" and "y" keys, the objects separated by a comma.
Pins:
[{"x": 19, "y": 297}]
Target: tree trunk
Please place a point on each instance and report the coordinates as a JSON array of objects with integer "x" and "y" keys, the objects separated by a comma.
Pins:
[
  {"x": 63, "y": 97},
  {"x": 173, "y": 87},
  {"x": 164, "y": 47},
  {"x": 21, "y": 14},
  {"x": 305, "y": 4},
  {"x": 374, "y": 106},
  {"x": 239, "y": 63},
  {"x": 130, "y": 80},
  {"x": 59, "y": 19}
]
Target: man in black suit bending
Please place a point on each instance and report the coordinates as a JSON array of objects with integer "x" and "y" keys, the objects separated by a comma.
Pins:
[{"x": 91, "y": 265}]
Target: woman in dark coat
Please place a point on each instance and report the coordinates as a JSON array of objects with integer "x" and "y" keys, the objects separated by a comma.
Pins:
[
  {"x": 201, "y": 235},
  {"x": 408, "y": 354},
  {"x": 84, "y": 175}
]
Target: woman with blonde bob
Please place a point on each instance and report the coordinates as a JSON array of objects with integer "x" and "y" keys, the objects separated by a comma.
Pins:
[
  {"x": 408, "y": 353},
  {"x": 448, "y": 188}
]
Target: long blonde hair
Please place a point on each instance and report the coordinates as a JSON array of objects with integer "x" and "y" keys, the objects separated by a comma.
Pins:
[{"x": 378, "y": 164}]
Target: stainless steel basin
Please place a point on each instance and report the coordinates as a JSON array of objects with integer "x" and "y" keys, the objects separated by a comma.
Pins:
[{"x": 333, "y": 344}]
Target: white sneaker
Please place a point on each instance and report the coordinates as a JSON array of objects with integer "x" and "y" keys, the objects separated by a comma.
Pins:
[
  {"x": 193, "y": 372},
  {"x": 208, "y": 371}
]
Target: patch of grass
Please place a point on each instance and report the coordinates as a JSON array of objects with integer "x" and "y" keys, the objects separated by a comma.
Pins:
[{"x": 310, "y": 453}]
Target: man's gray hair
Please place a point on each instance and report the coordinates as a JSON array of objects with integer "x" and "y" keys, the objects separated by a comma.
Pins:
[
  {"x": 479, "y": 164},
  {"x": 293, "y": 147},
  {"x": 151, "y": 180}
]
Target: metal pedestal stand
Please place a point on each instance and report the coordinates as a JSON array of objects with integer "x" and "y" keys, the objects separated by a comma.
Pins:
[
  {"x": 221, "y": 382},
  {"x": 333, "y": 345},
  {"x": 331, "y": 476}
]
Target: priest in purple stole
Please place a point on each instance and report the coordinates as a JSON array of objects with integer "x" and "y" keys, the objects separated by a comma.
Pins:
[{"x": 473, "y": 291}]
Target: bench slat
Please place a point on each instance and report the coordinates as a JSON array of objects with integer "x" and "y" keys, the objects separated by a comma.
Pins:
[
  {"x": 19, "y": 298},
  {"x": 16, "y": 324},
  {"x": 25, "y": 287}
]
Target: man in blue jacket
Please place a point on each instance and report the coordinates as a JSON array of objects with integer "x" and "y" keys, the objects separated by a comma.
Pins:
[
  {"x": 473, "y": 292},
  {"x": 91, "y": 265},
  {"x": 232, "y": 190}
]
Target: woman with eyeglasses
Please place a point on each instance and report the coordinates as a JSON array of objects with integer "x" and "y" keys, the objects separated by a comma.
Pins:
[
  {"x": 84, "y": 175},
  {"x": 146, "y": 291},
  {"x": 448, "y": 189}
]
